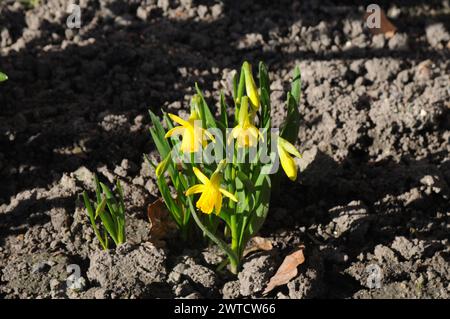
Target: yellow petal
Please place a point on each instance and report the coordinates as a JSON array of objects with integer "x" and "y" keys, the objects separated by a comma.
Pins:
[
  {"x": 228, "y": 194},
  {"x": 206, "y": 201},
  {"x": 251, "y": 136},
  {"x": 231, "y": 135},
  {"x": 175, "y": 131},
  {"x": 235, "y": 132},
  {"x": 200, "y": 201},
  {"x": 197, "y": 139},
  {"x": 253, "y": 131},
  {"x": 242, "y": 140},
  {"x": 288, "y": 163},
  {"x": 289, "y": 147},
  {"x": 201, "y": 177},
  {"x": 179, "y": 120},
  {"x": 218, "y": 204},
  {"x": 187, "y": 144},
  {"x": 199, "y": 188}
]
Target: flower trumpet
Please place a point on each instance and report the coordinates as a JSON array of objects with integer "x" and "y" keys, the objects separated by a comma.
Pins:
[
  {"x": 211, "y": 192},
  {"x": 245, "y": 132},
  {"x": 192, "y": 132}
]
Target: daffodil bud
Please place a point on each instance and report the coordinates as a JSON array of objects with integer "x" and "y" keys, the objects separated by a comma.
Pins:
[
  {"x": 195, "y": 107},
  {"x": 285, "y": 150},
  {"x": 221, "y": 165},
  {"x": 250, "y": 86},
  {"x": 162, "y": 166}
]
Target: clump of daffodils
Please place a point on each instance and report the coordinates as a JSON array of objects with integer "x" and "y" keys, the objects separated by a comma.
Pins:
[{"x": 218, "y": 173}]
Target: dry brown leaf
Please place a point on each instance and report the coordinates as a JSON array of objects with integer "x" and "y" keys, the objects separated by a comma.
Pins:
[
  {"x": 161, "y": 223},
  {"x": 257, "y": 243},
  {"x": 386, "y": 26},
  {"x": 287, "y": 270}
]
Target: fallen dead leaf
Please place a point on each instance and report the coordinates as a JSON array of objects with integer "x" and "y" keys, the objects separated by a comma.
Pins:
[
  {"x": 161, "y": 223},
  {"x": 257, "y": 243},
  {"x": 386, "y": 26},
  {"x": 287, "y": 270}
]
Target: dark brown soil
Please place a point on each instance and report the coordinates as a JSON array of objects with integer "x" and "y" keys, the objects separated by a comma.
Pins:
[{"x": 371, "y": 204}]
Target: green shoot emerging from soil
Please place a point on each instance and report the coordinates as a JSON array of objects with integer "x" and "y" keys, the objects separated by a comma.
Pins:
[{"x": 109, "y": 206}]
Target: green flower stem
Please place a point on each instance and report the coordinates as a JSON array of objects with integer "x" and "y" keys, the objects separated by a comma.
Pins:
[
  {"x": 232, "y": 184},
  {"x": 231, "y": 255},
  {"x": 184, "y": 229},
  {"x": 186, "y": 216},
  {"x": 234, "y": 243},
  {"x": 233, "y": 220}
]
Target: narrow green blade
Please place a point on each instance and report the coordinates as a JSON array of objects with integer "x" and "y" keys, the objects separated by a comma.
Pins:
[
  {"x": 87, "y": 204},
  {"x": 296, "y": 86},
  {"x": 223, "y": 111}
]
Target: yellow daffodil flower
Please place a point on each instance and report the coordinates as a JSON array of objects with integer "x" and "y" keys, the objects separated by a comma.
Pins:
[
  {"x": 285, "y": 149},
  {"x": 211, "y": 192},
  {"x": 245, "y": 132},
  {"x": 250, "y": 86},
  {"x": 193, "y": 137}
]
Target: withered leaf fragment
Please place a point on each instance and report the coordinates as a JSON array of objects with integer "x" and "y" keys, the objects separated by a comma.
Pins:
[
  {"x": 287, "y": 270},
  {"x": 257, "y": 243},
  {"x": 161, "y": 223}
]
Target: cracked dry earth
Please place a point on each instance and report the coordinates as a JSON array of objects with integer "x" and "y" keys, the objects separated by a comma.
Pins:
[{"x": 371, "y": 204}]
